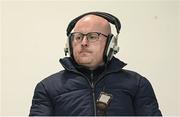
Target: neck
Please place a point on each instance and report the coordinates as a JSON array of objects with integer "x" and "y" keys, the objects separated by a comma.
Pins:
[
  {"x": 94, "y": 68},
  {"x": 88, "y": 72}
]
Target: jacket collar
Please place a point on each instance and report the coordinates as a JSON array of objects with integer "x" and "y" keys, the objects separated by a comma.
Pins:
[
  {"x": 112, "y": 66},
  {"x": 115, "y": 65}
]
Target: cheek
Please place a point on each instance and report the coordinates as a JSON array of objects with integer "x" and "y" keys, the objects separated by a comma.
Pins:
[
  {"x": 100, "y": 49},
  {"x": 75, "y": 49}
]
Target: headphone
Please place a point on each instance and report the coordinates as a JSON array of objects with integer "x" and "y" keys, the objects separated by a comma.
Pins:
[{"x": 111, "y": 47}]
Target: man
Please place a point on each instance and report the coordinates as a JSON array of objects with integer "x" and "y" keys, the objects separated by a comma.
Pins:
[{"x": 93, "y": 82}]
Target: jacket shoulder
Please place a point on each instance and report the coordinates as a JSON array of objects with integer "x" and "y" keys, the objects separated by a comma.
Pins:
[
  {"x": 53, "y": 82},
  {"x": 136, "y": 79},
  {"x": 54, "y": 76},
  {"x": 134, "y": 75}
]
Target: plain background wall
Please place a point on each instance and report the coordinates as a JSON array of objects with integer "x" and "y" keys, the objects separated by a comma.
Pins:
[{"x": 33, "y": 37}]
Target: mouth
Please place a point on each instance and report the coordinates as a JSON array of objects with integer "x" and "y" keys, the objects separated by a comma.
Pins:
[{"x": 85, "y": 52}]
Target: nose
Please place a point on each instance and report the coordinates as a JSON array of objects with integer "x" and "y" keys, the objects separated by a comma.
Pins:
[{"x": 84, "y": 42}]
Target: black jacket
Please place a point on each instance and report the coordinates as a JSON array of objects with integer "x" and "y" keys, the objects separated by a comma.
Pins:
[{"x": 71, "y": 92}]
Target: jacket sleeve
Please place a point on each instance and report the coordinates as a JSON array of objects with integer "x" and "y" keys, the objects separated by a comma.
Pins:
[
  {"x": 145, "y": 101},
  {"x": 41, "y": 103}
]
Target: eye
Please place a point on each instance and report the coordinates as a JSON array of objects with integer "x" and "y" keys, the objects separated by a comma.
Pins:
[
  {"x": 92, "y": 36},
  {"x": 78, "y": 37}
]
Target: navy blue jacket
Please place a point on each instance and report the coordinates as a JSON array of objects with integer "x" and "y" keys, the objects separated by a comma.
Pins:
[{"x": 71, "y": 92}]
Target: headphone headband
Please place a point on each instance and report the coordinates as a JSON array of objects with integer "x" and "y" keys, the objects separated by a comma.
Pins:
[{"x": 112, "y": 19}]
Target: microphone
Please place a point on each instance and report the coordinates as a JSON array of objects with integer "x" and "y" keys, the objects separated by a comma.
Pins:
[{"x": 103, "y": 103}]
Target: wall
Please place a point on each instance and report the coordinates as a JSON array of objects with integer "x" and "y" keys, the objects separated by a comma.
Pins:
[{"x": 33, "y": 37}]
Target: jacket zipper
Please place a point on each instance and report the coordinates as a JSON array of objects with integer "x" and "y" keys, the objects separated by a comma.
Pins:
[
  {"x": 93, "y": 92},
  {"x": 91, "y": 85}
]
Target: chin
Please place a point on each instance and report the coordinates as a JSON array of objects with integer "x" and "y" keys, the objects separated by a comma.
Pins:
[{"x": 84, "y": 60}]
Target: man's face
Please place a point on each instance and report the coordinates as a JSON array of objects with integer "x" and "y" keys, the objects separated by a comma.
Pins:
[{"x": 86, "y": 53}]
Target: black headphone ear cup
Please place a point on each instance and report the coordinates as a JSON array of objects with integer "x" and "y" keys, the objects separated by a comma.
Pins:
[{"x": 106, "y": 50}]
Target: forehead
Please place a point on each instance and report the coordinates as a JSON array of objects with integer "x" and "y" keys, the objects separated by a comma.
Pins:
[
  {"x": 93, "y": 18},
  {"x": 92, "y": 23}
]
